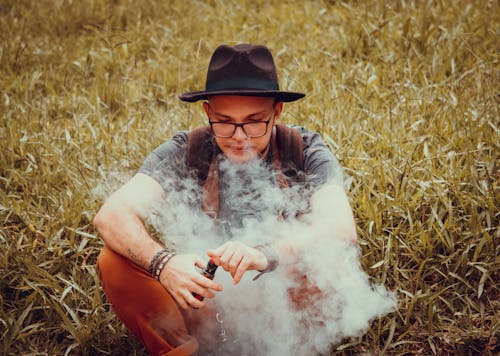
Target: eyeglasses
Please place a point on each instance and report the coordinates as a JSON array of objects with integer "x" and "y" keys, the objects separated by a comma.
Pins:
[{"x": 250, "y": 129}]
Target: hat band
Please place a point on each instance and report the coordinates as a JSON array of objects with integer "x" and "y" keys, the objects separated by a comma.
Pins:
[{"x": 242, "y": 83}]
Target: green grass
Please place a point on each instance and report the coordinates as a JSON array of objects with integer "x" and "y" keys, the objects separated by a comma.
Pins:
[{"x": 404, "y": 92}]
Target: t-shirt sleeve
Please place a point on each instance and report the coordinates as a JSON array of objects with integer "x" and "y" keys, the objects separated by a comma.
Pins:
[
  {"x": 319, "y": 162},
  {"x": 167, "y": 160}
]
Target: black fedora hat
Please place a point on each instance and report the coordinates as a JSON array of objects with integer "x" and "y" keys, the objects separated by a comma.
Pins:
[{"x": 244, "y": 69}]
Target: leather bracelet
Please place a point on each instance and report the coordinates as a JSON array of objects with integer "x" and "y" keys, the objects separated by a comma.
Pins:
[
  {"x": 155, "y": 259},
  {"x": 162, "y": 264},
  {"x": 271, "y": 256}
]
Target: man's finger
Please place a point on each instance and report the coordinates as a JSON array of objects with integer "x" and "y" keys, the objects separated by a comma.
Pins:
[
  {"x": 199, "y": 263},
  {"x": 242, "y": 268},
  {"x": 204, "y": 292},
  {"x": 191, "y": 300},
  {"x": 216, "y": 254},
  {"x": 180, "y": 300},
  {"x": 234, "y": 262},
  {"x": 217, "y": 251},
  {"x": 225, "y": 258},
  {"x": 207, "y": 283}
]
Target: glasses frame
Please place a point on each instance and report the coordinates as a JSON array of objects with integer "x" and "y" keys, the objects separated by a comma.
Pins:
[{"x": 242, "y": 125}]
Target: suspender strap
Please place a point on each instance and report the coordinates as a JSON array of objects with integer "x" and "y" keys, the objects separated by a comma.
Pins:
[
  {"x": 291, "y": 149},
  {"x": 287, "y": 159},
  {"x": 211, "y": 202},
  {"x": 199, "y": 152},
  {"x": 276, "y": 159}
]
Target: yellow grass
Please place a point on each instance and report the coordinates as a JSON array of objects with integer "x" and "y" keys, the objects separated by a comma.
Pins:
[{"x": 404, "y": 92}]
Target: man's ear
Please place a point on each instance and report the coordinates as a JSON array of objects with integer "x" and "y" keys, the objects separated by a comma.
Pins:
[
  {"x": 277, "y": 110},
  {"x": 206, "y": 107}
]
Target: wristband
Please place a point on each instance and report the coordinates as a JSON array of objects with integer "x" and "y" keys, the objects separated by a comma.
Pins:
[
  {"x": 271, "y": 256},
  {"x": 163, "y": 262},
  {"x": 156, "y": 258}
]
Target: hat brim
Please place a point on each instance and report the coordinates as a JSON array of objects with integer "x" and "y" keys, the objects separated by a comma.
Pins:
[{"x": 285, "y": 96}]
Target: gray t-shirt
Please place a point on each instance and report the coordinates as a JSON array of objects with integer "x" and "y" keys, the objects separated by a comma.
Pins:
[
  {"x": 169, "y": 159},
  {"x": 249, "y": 193}
]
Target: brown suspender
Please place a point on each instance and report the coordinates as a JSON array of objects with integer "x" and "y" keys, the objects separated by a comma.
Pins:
[{"x": 288, "y": 160}]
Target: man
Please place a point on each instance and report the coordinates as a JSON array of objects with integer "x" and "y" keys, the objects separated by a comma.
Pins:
[{"x": 156, "y": 292}]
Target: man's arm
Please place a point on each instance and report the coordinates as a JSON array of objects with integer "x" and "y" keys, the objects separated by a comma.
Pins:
[
  {"x": 120, "y": 224},
  {"x": 331, "y": 209}
]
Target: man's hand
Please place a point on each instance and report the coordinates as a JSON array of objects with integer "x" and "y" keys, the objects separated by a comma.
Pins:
[
  {"x": 237, "y": 258},
  {"x": 181, "y": 279}
]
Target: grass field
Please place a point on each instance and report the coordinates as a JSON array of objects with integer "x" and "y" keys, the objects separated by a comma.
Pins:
[{"x": 405, "y": 92}]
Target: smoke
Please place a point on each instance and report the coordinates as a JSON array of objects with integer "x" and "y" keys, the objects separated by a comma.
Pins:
[
  {"x": 302, "y": 307},
  {"x": 109, "y": 181}
]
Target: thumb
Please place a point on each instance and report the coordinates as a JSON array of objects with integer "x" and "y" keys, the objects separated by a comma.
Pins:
[{"x": 199, "y": 262}]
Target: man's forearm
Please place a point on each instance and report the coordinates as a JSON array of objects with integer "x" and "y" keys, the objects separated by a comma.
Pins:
[
  {"x": 331, "y": 219},
  {"x": 125, "y": 233}
]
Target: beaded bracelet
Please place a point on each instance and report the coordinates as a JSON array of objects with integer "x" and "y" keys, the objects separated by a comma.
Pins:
[
  {"x": 271, "y": 256},
  {"x": 155, "y": 259},
  {"x": 162, "y": 264}
]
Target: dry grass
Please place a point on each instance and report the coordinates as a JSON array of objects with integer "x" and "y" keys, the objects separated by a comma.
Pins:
[{"x": 405, "y": 92}]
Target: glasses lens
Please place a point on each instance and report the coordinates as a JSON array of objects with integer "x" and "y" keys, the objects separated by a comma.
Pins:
[
  {"x": 255, "y": 129},
  {"x": 223, "y": 129}
]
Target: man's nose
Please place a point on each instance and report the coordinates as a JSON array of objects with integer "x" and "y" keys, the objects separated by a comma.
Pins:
[{"x": 239, "y": 134}]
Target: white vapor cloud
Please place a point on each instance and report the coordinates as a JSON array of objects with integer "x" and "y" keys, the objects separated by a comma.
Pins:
[{"x": 259, "y": 316}]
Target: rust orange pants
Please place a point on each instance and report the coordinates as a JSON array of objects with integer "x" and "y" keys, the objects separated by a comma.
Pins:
[
  {"x": 154, "y": 317},
  {"x": 150, "y": 312}
]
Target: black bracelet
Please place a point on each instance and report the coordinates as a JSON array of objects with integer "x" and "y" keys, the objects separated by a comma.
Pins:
[
  {"x": 155, "y": 259},
  {"x": 162, "y": 264},
  {"x": 271, "y": 256}
]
